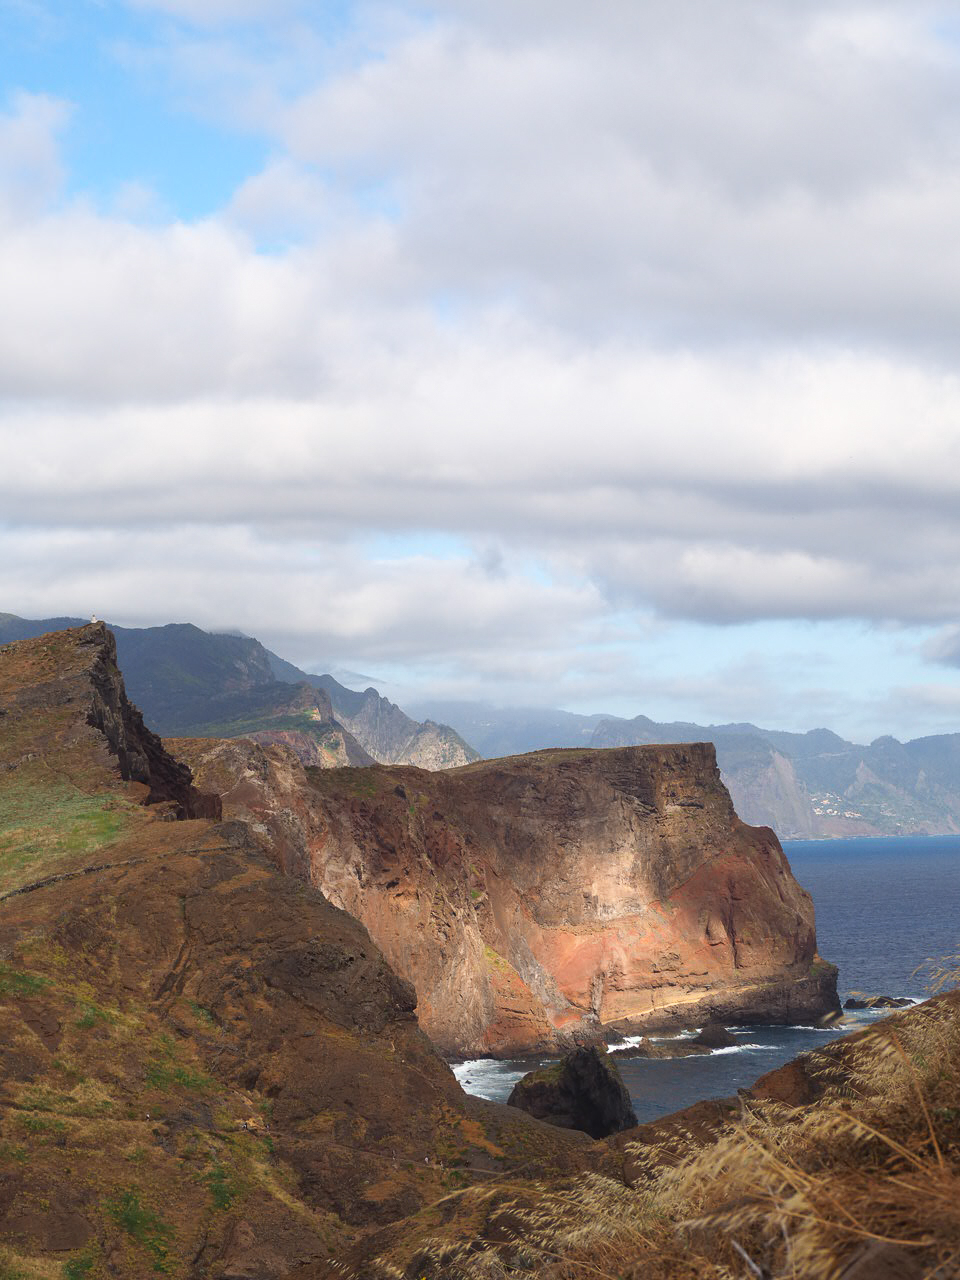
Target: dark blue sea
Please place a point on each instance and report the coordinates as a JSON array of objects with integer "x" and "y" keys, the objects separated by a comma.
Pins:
[{"x": 884, "y": 907}]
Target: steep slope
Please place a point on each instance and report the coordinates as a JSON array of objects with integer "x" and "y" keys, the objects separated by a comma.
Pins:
[
  {"x": 206, "y": 1069},
  {"x": 387, "y": 733},
  {"x": 547, "y": 898},
  {"x": 193, "y": 682},
  {"x": 297, "y": 714}
]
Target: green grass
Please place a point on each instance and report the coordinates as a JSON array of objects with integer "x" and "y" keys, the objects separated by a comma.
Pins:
[
  {"x": 14, "y": 982},
  {"x": 202, "y": 1015},
  {"x": 34, "y": 1123},
  {"x": 299, "y": 722},
  {"x": 496, "y": 961},
  {"x": 44, "y": 821},
  {"x": 165, "y": 1072},
  {"x": 143, "y": 1225},
  {"x": 163, "y": 1075},
  {"x": 223, "y": 1190},
  {"x": 92, "y": 1015},
  {"x": 79, "y": 1267}
]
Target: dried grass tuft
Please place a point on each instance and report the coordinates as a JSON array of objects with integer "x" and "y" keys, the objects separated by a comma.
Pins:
[{"x": 785, "y": 1194}]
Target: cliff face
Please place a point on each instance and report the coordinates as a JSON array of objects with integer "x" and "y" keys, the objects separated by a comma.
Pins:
[
  {"x": 53, "y": 685},
  {"x": 540, "y": 900}
]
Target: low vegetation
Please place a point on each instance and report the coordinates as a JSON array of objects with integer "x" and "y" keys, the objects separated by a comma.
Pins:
[
  {"x": 786, "y": 1193},
  {"x": 44, "y": 820}
]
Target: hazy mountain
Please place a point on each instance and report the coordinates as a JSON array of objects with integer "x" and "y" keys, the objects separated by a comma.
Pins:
[
  {"x": 194, "y": 683},
  {"x": 386, "y": 732},
  {"x": 801, "y": 784}
]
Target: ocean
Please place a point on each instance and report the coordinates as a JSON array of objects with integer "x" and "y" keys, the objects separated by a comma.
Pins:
[{"x": 884, "y": 907}]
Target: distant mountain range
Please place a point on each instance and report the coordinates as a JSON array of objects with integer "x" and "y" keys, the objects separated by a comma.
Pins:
[
  {"x": 193, "y": 683},
  {"x": 801, "y": 784}
]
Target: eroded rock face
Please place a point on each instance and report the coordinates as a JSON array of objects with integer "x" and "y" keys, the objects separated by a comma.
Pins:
[
  {"x": 61, "y": 679},
  {"x": 538, "y": 901},
  {"x": 582, "y": 1091}
]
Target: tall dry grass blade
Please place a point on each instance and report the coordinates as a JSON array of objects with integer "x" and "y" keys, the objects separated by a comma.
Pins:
[{"x": 920, "y": 1098}]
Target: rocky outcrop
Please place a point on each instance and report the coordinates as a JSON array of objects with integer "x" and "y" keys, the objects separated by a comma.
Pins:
[
  {"x": 76, "y": 671},
  {"x": 542, "y": 901},
  {"x": 877, "y": 1002},
  {"x": 669, "y": 1048},
  {"x": 715, "y": 1036},
  {"x": 582, "y": 1091},
  {"x": 391, "y": 736},
  {"x": 194, "y": 683},
  {"x": 266, "y": 785}
]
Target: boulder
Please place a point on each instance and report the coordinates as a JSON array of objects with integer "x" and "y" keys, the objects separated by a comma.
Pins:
[
  {"x": 715, "y": 1036},
  {"x": 581, "y": 1091},
  {"x": 661, "y": 1049},
  {"x": 877, "y": 1002}
]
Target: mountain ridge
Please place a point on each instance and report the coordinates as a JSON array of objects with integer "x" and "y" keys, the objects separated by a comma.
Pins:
[
  {"x": 804, "y": 785},
  {"x": 195, "y": 683}
]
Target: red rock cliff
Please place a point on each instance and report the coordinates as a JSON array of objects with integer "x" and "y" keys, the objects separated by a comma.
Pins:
[{"x": 545, "y": 898}]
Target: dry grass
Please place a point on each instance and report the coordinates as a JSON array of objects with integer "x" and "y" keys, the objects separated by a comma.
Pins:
[{"x": 787, "y": 1194}]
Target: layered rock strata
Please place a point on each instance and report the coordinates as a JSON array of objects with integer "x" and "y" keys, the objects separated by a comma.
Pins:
[
  {"x": 53, "y": 685},
  {"x": 544, "y": 900}
]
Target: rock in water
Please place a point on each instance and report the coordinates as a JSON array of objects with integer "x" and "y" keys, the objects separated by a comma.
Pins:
[
  {"x": 877, "y": 1002},
  {"x": 661, "y": 1049},
  {"x": 715, "y": 1036},
  {"x": 581, "y": 1091}
]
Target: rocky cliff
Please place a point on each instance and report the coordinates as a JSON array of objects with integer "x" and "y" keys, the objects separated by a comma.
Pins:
[
  {"x": 54, "y": 687},
  {"x": 206, "y": 1069},
  {"x": 198, "y": 683},
  {"x": 549, "y": 898},
  {"x": 812, "y": 784}
]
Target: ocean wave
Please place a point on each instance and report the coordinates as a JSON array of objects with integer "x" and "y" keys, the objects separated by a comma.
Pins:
[
  {"x": 487, "y": 1078},
  {"x": 840, "y": 1029}
]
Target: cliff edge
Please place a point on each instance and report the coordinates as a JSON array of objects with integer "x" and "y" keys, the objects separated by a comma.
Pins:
[{"x": 549, "y": 899}]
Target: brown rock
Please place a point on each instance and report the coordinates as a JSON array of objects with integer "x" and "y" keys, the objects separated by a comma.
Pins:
[
  {"x": 715, "y": 1036},
  {"x": 538, "y": 901},
  {"x": 661, "y": 1049},
  {"x": 875, "y": 1260},
  {"x": 582, "y": 1091}
]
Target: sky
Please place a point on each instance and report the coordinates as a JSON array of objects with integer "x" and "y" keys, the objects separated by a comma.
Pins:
[{"x": 593, "y": 356}]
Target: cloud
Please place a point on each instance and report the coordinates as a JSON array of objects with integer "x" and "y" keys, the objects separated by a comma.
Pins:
[
  {"x": 944, "y": 647},
  {"x": 31, "y": 170},
  {"x": 210, "y": 13},
  {"x": 648, "y": 312}
]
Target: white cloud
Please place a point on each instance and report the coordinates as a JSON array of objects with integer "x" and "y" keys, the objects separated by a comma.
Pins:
[
  {"x": 31, "y": 170},
  {"x": 650, "y": 308}
]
